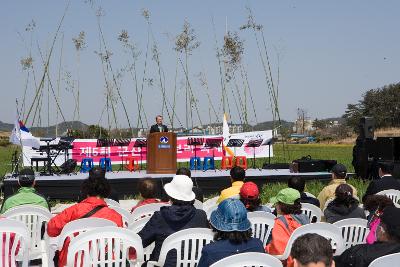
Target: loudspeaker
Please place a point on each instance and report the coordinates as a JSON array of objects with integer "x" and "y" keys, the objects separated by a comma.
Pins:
[
  {"x": 384, "y": 148},
  {"x": 312, "y": 165},
  {"x": 367, "y": 127},
  {"x": 68, "y": 166}
]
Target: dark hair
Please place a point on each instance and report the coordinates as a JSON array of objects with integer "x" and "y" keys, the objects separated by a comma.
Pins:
[
  {"x": 251, "y": 204},
  {"x": 96, "y": 186},
  {"x": 25, "y": 181},
  {"x": 312, "y": 248},
  {"x": 344, "y": 195},
  {"x": 236, "y": 237},
  {"x": 297, "y": 183},
  {"x": 180, "y": 202},
  {"x": 377, "y": 202},
  {"x": 147, "y": 188},
  {"x": 184, "y": 171},
  {"x": 386, "y": 167},
  {"x": 237, "y": 173},
  {"x": 290, "y": 209},
  {"x": 97, "y": 172},
  {"x": 392, "y": 231}
]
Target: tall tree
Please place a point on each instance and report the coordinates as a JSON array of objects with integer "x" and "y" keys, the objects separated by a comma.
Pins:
[{"x": 383, "y": 104}]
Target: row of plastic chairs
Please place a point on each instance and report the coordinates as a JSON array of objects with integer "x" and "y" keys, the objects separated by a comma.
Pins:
[
  {"x": 354, "y": 231},
  {"x": 261, "y": 259},
  {"x": 105, "y": 243}
]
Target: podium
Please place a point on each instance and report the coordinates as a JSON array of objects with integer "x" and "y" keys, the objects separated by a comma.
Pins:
[{"x": 161, "y": 152}]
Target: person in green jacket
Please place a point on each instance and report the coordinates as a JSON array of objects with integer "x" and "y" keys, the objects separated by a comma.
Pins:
[{"x": 26, "y": 194}]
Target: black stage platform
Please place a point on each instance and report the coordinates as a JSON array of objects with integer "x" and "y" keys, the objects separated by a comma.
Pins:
[{"x": 67, "y": 187}]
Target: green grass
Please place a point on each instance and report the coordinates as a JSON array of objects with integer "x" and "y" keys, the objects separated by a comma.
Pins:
[
  {"x": 341, "y": 153},
  {"x": 6, "y": 153},
  {"x": 314, "y": 187}
]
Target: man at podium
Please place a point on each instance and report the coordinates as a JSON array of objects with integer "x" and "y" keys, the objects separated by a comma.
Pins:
[{"x": 158, "y": 127}]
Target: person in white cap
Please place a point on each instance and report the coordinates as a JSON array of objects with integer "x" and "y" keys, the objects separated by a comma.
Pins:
[{"x": 170, "y": 219}]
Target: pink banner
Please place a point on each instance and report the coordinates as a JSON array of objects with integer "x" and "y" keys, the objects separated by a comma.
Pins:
[{"x": 87, "y": 148}]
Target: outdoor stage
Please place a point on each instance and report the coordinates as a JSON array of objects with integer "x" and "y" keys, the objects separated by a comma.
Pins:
[{"x": 124, "y": 183}]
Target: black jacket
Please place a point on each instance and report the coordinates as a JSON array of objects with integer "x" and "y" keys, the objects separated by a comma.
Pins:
[
  {"x": 337, "y": 211},
  {"x": 362, "y": 255},
  {"x": 384, "y": 183},
  {"x": 306, "y": 199},
  {"x": 154, "y": 128},
  {"x": 168, "y": 220}
]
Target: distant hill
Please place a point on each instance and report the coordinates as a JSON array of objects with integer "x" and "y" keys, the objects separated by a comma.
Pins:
[
  {"x": 47, "y": 131},
  {"x": 6, "y": 127},
  {"x": 268, "y": 125},
  {"x": 62, "y": 129},
  {"x": 341, "y": 120}
]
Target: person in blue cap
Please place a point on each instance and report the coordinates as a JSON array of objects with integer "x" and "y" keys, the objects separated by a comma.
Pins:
[{"x": 232, "y": 233}]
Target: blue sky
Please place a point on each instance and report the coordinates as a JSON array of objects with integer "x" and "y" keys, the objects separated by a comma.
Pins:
[{"x": 330, "y": 53}]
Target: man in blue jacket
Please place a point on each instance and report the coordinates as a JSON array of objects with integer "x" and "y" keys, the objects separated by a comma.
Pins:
[{"x": 170, "y": 219}]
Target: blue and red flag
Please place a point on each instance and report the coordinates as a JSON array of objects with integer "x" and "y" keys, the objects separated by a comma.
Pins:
[{"x": 22, "y": 126}]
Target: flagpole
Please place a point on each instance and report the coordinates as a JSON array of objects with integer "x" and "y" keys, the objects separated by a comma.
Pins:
[{"x": 18, "y": 132}]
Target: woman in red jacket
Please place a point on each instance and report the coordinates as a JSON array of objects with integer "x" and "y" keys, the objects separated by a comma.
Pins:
[{"x": 96, "y": 188}]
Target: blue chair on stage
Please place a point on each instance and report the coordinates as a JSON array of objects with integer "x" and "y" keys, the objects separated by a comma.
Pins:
[
  {"x": 86, "y": 165},
  {"x": 208, "y": 163},
  {"x": 195, "y": 161},
  {"x": 105, "y": 164}
]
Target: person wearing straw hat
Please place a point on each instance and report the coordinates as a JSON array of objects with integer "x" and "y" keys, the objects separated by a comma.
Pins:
[
  {"x": 289, "y": 218},
  {"x": 232, "y": 233},
  {"x": 170, "y": 219}
]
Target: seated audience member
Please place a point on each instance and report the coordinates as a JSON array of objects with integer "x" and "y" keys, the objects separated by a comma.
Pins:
[
  {"x": 250, "y": 197},
  {"x": 96, "y": 189},
  {"x": 388, "y": 242},
  {"x": 26, "y": 194},
  {"x": 375, "y": 204},
  {"x": 386, "y": 181},
  {"x": 312, "y": 250},
  {"x": 196, "y": 189},
  {"x": 232, "y": 233},
  {"x": 147, "y": 190},
  {"x": 299, "y": 184},
  {"x": 98, "y": 172},
  {"x": 339, "y": 173},
  {"x": 237, "y": 176},
  {"x": 343, "y": 206},
  {"x": 170, "y": 219},
  {"x": 289, "y": 218}
]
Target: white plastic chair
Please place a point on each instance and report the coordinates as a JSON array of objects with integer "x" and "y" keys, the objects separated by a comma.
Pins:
[
  {"x": 74, "y": 228},
  {"x": 354, "y": 231},
  {"x": 146, "y": 210},
  {"x": 210, "y": 202},
  {"x": 136, "y": 227},
  {"x": 80, "y": 226},
  {"x": 128, "y": 204},
  {"x": 309, "y": 194},
  {"x": 33, "y": 217},
  {"x": 255, "y": 259},
  {"x": 14, "y": 234},
  {"x": 198, "y": 204},
  {"x": 311, "y": 211},
  {"x": 181, "y": 241},
  {"x": 111, "y": 202},
  {"x": 106, "y": 246},
  {"x": 327, "y": 230},
  {"x": 385, "y": 261},
  {"x": 393, "y": 194},
  {"x": 126, "y": 215},
  {"x": 261, "y": 224}
]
